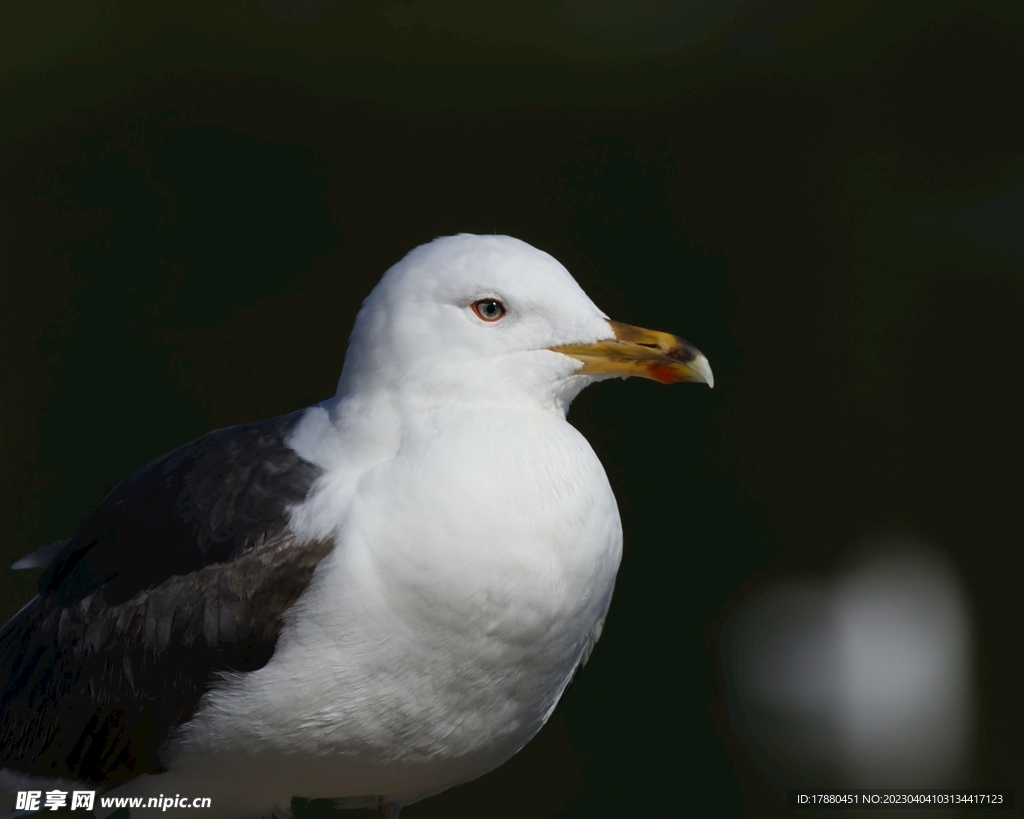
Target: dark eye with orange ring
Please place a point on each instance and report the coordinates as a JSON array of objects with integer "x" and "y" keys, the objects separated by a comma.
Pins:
[{"x": 489, "y": 309}]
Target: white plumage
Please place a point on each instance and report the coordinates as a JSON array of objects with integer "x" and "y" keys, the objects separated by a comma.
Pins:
[{"x": 476, "y": 543}]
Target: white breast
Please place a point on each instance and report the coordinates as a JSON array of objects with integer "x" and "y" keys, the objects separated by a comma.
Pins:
[{"x": 436, "y": 639}]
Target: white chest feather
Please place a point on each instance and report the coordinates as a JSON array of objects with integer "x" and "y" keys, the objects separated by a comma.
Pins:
[{"x": 435, "y": 640}]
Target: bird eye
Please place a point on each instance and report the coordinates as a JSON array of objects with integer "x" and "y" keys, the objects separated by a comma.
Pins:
[{"x": 489, "y": 309}]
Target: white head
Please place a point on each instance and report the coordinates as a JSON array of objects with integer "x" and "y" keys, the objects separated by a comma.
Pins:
[{"x": 491, "y": 319}]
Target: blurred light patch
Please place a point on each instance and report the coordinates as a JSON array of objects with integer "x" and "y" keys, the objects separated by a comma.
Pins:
[{"x": 864, "y": 678}]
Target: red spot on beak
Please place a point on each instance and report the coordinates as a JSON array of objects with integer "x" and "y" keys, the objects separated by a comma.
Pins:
[{"x": 662, "y": 372}]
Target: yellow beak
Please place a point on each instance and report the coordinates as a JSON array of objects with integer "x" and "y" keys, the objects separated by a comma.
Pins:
[{"x": 647, "y": 353}]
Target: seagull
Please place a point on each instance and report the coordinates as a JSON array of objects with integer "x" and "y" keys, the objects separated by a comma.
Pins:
[{"x": 371, "y": 599}]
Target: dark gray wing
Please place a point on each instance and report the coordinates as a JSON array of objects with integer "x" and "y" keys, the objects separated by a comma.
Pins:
[{"x": 184, "y": 571}]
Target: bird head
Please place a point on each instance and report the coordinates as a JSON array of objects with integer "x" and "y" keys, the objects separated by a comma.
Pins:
[{"x": 490, "y": 318}]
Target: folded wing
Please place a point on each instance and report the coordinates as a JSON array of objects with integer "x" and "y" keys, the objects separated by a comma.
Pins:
[{"x": 184, "y": 572}]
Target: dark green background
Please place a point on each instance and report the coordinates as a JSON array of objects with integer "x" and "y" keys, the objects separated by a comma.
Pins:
[{"x": 826, "y": 197}]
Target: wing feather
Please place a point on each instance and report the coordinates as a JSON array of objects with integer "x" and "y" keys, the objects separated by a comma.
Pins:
[{"x": 183, "y": 573}]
